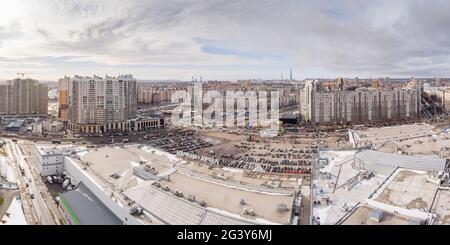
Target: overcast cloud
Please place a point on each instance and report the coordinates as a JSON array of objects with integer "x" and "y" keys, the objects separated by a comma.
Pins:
[{"x": 225, "y": 39}]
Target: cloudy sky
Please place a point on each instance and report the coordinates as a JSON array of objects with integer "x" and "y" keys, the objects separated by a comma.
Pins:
[{"x": 224, "y": 39}]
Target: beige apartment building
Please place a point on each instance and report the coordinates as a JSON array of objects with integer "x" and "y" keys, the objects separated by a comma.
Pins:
[
  {"x": 63, "y": 99},
  {"x": 23, "y": 97},
  {"x": 98, "y": 105},
  {"x": 358, "y": 106},
  {"x": 155, "y": 95}
]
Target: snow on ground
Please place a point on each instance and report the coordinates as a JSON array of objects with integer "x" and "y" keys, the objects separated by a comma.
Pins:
[
  {"x": 2, "y": 167},
  {"x": 233, "y": 170},
  {"x": 331, "y": 213},
  {"x": 171, "y": 157},
  {"x": 321, "y": 212},
  {"x": 332, "y": 186},
  {"x": 236, "y": 216},
  {"x": 212, "y": 141},
  {"x": 337, "y": 157},
  {"x": 7, "y": 171},
  {"x": 327, "y": 169},
  {"x": 167, "y": 172},
  {"x": 10, "y": 176},
  {"x": 16, "y": 217},
  {"x": 82, "y": 153},
  {"x": 139, "y": 180},
  {"x": 134, "y": 164},
  {"x": 236, "y": 187}
]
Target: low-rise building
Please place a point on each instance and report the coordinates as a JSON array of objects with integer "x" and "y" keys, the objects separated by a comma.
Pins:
[
  {"x": 52, "y": 126},
  {"x": 15, "y": 125},
  {"x": 50, "y": 160}
]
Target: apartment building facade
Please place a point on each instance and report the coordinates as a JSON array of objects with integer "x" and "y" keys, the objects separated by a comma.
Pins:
[
  {"x": 63, "y": 99},
  {"x": 98, "y": 105},
  {"x": 23, "y": 97},
  {"x": 155, "y": 95},
  {"x": 358, "y": 106}
]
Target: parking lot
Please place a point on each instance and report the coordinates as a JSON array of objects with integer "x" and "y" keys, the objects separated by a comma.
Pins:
[
  {"x": 272, "y": 157},
  {"x": 185, "y": 142}
]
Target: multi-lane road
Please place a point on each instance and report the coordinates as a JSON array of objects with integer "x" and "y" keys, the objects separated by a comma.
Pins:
[
  {"x": 96, "y": 140},
  {"x": 42, "y": 188},
  {"x": 22, "y": 183},
  {"x": 38, "y": 205}
]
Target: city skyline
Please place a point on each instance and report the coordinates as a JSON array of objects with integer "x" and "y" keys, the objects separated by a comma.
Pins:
[{"x": 219, "y": 40}]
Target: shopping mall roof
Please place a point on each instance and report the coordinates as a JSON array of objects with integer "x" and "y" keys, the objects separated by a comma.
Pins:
[
  {"x": 424, "y": 163},
  {"x": 86, "y": 209},
  {"x": 172, "y": 210}
]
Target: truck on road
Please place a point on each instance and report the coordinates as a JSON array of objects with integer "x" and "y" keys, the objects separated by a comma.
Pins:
[{"x": 31, "y": 192}]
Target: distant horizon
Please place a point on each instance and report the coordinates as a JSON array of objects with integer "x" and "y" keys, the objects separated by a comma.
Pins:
[{"x": 241, "y": 79}]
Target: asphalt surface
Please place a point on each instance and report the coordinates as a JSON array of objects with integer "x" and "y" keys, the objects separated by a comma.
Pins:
[
  {"x": 42, "y": 210},
  {"x": 96, "y": 140}
]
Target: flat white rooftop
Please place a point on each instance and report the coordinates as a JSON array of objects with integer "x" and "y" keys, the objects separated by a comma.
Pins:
[
  {"x": 111, "y": 168},
  {"x": 424, "y": 163},
  {"x": 169, "y": 209}
]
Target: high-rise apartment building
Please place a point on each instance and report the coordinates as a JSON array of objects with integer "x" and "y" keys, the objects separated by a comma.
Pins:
[
  {"x": 358, "y": 106},
  {"x": 340, "y": 83},
  {"x": 305, "y": 100},
  {"x": 155, "y": 95},
  {"x": 63, "y": 96},
  {"x": 98, "y": 105},
  {"x": 23, "y": 97}
]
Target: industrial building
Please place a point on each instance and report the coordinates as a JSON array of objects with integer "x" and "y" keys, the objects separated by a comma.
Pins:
[
  {"x": 358, "y": 106},
  {"x": 50, "y": 160},
  {"x": 23, "y": 97}
]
